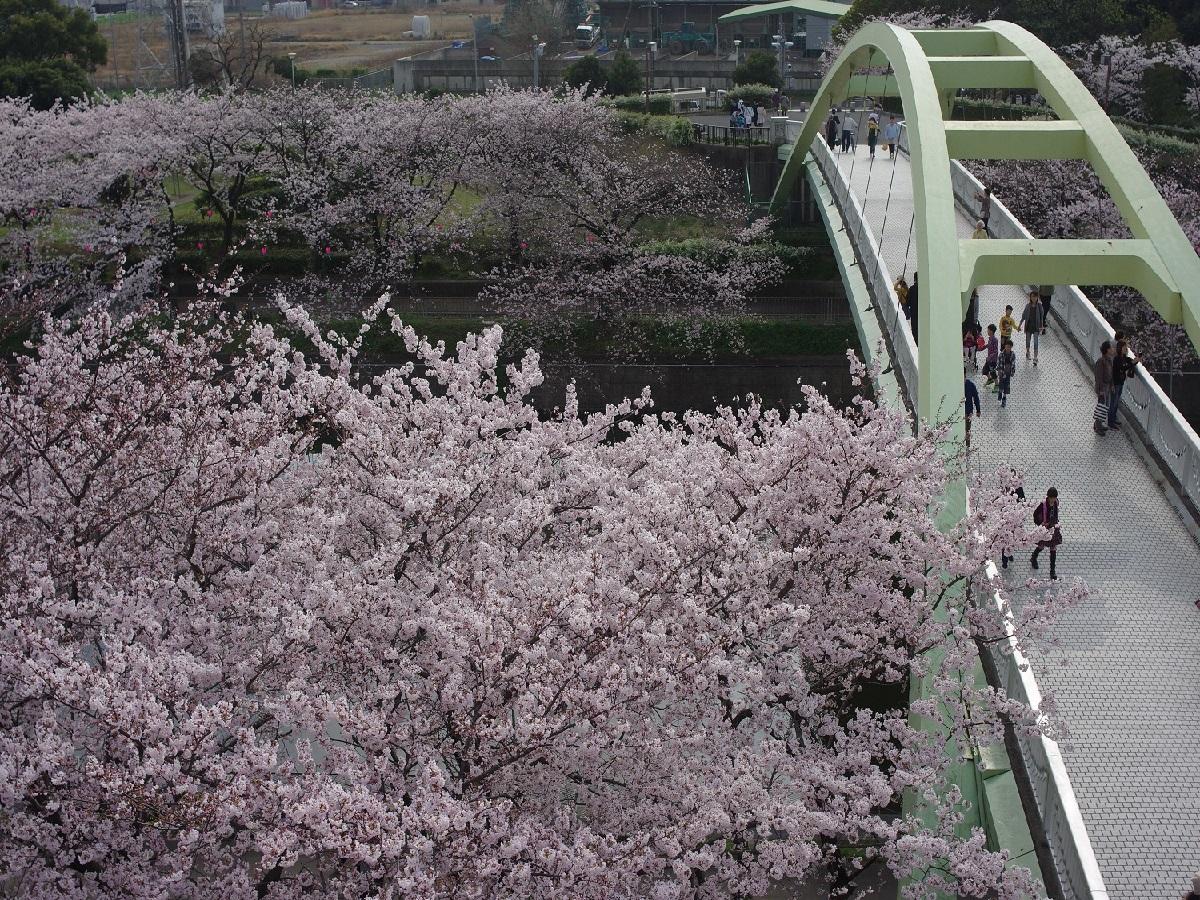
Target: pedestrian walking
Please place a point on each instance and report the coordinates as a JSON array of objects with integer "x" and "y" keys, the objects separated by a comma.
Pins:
[
  {"x": 872, "y": 134},
  {"x": 1045, "y": 514},
  {"x": 1102, "y": 372},
  {"x": 849, "y": 126},
  {"x": 891, "y": 136},
  {"x": 969, "y": 347},
  {"x": 1007, "y": 324},
  {"x": 1019, "y": 492},
  {"x": 783, "y": 105},
  {"x": 914, "y": 307},
  {"x": 1046, "y": 294},
  {"x": 1006, "y": 365},
  {"x": 993, "y": 355},
  {"x": 832, "y": 125},
  {"x": 1031, "y": 324},
  {"x": 1124, "y": 367},
  {"x": 901, "y": 289},
  {"x": 971, "y": 398},
  {"x": 980, "y": 231},
  {"x": 985, "y": 206}
]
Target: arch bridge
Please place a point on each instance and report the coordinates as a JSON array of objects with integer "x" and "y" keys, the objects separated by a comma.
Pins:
[{"x": 1119, "y": 808}]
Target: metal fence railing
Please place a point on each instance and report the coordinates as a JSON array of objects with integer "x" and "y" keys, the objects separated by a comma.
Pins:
[
  {"x": 724, "y": 134},
  {"x": 380, "y": 79}
]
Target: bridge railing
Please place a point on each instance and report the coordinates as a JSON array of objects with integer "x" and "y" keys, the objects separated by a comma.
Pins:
[
  {"x": 1045, "y": 771},
  {"x": 879, "y": 279},
  {"x": 1162, "y": 426}
]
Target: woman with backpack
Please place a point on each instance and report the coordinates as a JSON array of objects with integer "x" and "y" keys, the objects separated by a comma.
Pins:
[{"x": 1046, "y": 515}]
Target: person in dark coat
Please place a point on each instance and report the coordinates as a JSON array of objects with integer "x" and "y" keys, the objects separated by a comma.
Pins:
[
  {"x": 1102, "y": 373},
  {"x": 832, "y": 126},
  {"x": 1124, "y": 367},
  {"x": 1046, "y": 515},
  {"x": 971, "y": 397},
  {"x": 1005, "y": 556},
  {"x": 913, "y": 307}
]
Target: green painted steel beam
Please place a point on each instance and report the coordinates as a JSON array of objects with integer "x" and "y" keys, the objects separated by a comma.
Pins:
[
  {"x": 1016, "y": 140},
  {"x": 1015, "y": 72},
  {"x": 956, "y": 42},
  {"x": 939, "y": 388},
  {"x": 1131, "y": 188},
  {"x": 1135, "y": 263}
]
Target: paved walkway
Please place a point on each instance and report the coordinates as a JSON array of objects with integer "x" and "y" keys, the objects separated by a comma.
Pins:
[{"x": 1130, "y": 689}]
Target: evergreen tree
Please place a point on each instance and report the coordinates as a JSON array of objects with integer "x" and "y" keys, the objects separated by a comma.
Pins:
[
  {"x": 624, "y": 76},
  {"x": 46, "y": 50},
  {"x": 759, "y": 68},
  {"x": 586, "y": 71}
]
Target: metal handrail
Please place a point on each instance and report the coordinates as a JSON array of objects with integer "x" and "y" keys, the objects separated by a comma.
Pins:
[{"x": 730, "y": 136}]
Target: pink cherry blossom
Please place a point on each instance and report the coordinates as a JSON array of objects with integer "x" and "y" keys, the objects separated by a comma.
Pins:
[{"x": 274, "y": 626}]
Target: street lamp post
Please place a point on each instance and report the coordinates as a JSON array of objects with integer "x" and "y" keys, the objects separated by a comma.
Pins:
[
  {"x": 737, "y": 53},
  {"x": 538, "y": 50},
  {"x": 784, "y": 46},
  {"x": 651, "y": 49},
  {"x": 292, "y": 60}
]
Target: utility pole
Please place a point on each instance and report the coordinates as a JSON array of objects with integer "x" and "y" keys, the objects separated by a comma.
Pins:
[
  {"x": 651, "y": 49},
  {"x": 179, "y": 44},
  {"x": 475, "y": 51},
  {"x": 1107, "y": 77},
  {"x": 292, "y": 60}
]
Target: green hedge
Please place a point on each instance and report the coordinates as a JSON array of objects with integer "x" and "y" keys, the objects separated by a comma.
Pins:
[
  {"x": 674, "y": 131},
  {"x": 795, "y": 258},
  {"x": 997, "y": 109},
  {"x": 659, "y": 105},
  {"x": 755, "y": 94}
]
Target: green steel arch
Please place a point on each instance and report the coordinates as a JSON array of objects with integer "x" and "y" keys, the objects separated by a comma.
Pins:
[{"x": 926, "y": 69}]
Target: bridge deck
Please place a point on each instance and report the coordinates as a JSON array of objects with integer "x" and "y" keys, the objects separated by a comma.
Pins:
[{"x": 1130, "y": 689}]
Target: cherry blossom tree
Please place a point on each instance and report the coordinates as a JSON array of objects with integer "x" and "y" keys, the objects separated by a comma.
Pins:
[
  {"x": 1114, "y": 67},
  {"x": 272, "y": 628}
]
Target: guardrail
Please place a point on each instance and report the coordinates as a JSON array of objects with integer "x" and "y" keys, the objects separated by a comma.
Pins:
[
  {"x": 1046, "y": 774},
  {"x": 901, "y": 346},
  {"x": 1045, "y": 771},
  {"x": 1163, "y": 428}
]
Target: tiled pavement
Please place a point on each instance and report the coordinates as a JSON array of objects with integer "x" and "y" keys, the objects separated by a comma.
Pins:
[{"x": 1129, "y": 690}]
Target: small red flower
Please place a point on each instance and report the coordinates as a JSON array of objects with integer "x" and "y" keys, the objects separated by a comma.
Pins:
[
  {"x": 208, "y": 214},
  {"x": 264, "y": 251},
  {"x": 524, "y": 246},
  {"x": 327, "y": 250},
  {"x": 87, "y": 248},
  {"x": 269, "y": 213},
  {"x": 590, "y": 238},
  {"x": 199, "y": 245}
]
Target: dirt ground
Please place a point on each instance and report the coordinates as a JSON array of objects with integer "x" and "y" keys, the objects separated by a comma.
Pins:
[{"x": 341, "y": 39}]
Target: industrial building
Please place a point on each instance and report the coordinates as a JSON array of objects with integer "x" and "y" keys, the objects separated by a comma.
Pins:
[{"x": 806, "y": 23}]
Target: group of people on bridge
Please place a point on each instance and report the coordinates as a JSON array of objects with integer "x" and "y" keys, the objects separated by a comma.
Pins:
[{"x": 844, "y": 123}]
